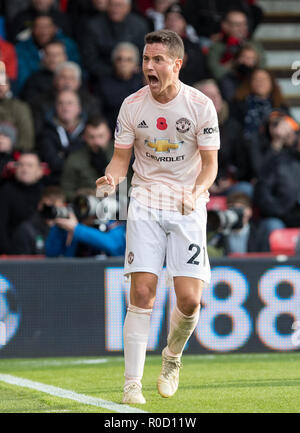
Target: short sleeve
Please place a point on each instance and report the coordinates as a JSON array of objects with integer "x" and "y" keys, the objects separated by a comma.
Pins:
[
  {"x": 124, "y": 132},
  {"x": 208, "y": 135}
]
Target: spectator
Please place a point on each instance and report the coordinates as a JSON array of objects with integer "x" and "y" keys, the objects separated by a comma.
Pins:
[
  {"x": 19, "y": 114},
  {"x": 277, "y": 191},
  {"x": 40, "y": 82},
  {"x": 206, "y": 16},
  {"x": 242, "y": 237},
  {"x": 125, "y": 79},
  {"x": 62, "y": 133},
  {"x": 19, "y": 198},
  {"x": 30, "y": 236},
  {"x": 235, "y": 35},
  {"x": 89, "y": 236},
  {"x": 255, "y": 99},
  {"x": 67, "y": 76},
  {"x": 80, "y": 11},
  {"x": 104, "y": 32},
  {"x": 277, "y": 132},
  {"x": 8, "y": 56},
  {"x": 19, "y": 27},
  {"x": 156, "y": 14},
  {"x": 230, "y": 177},
  {"x": 88, "y": 163},
  {"x": 194, "y": 65},
  {"x": 11, "y": 9},
  {"x": 244, "y": 63},
  {"x": 30, "y": 51},
  {"x": 8, "y": 136}
]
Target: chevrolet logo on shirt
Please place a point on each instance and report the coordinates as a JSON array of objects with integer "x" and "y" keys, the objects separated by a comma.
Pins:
[{"x": 163, "y": 145}]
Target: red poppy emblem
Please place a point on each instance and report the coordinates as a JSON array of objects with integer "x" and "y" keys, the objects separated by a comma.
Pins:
[{"x": 161, "y": 123}]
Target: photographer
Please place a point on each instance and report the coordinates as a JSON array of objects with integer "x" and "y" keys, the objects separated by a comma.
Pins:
[
  {"x": 29, "y": 237},
  {"x": 81, "y": 233},
  {"x": 19, "y": 197},
  {"x": 233, "y": 230}
]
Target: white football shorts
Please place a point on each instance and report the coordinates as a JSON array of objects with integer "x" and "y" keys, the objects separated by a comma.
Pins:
[{"x": 154, "y": 235}]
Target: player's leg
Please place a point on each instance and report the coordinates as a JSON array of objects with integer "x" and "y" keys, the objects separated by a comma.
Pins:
[
  {"x": 187, "y": 261},
  {"x": 184, "y": 319},
  {"x": 145, "y": 251},
  {"x": 136, "y": 331}
]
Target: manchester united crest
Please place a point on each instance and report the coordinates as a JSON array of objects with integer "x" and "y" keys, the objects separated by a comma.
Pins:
[
  {"x": 183, "y": 125},
  {"x": 130, "y": 257}
]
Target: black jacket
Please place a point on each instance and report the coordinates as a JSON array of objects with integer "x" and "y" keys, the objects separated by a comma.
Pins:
[
  {"x": 112, "y": 91},
  {"x": 29, "y": 237},
  {"x": 18, "y": 203},
  {"x": 101, "y": 35},
  {"x": 23, "y": 20},
  {"x": 206, "y": 15},
  {"x": 55, "y": 144},
  {"x": 277, "y": 192}
]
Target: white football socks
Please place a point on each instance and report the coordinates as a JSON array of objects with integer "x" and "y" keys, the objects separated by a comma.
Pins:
[
  {"x": 181, "y": 328},
  {"x": 135, "y": 332}
]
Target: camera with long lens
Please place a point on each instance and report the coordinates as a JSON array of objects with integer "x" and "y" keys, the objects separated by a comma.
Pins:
[
  {"x": 50, "y": 212},
  {"x": 85, "y": 206},
  {"x": 102, "y": 210},
  {"x": 225, "y": 221}
]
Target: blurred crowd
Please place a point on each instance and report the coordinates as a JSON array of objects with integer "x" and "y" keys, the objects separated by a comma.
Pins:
[{"x": 69, "y": 66}]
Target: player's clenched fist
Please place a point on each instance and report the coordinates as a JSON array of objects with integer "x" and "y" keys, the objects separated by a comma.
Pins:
[{"x": 105, "y": 186}]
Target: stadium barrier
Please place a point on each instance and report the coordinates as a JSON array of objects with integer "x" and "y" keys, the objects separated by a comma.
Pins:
[{"x": 76, "y": 307}]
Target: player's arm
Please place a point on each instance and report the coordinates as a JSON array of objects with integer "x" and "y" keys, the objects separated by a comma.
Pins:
[
  {"x": 208, "y": 172},
  {"x": 115, "y": 171}
]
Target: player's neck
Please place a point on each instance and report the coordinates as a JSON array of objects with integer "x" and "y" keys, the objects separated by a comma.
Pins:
[{"x": 169, "y": 93}]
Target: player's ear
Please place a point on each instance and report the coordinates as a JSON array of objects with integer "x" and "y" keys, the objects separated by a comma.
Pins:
[{"x": 178, "y": 64}]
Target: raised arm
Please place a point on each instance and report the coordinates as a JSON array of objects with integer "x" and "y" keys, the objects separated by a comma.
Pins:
[{"x": 115, "y": 171}]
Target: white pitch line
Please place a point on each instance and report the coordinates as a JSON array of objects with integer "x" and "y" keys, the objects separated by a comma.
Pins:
[
  {"x": 55, "y": 363},
  {"x": 71, "y": 395}
]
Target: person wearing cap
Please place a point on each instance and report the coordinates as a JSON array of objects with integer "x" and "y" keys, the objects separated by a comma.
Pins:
[
  {"x": 18, "y": 113},
  {"x": 194, "y": 64}
]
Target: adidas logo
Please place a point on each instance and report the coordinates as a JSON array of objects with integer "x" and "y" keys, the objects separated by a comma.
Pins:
[{"x": 143, "y": 124}]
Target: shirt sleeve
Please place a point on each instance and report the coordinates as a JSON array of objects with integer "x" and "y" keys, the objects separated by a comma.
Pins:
[
  {"x": 124, "y": 132},
  {"x": 208, "y": 135}
]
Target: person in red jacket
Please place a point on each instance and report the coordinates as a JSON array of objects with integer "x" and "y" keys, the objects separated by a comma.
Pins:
[{"x": 9, "y": 57}]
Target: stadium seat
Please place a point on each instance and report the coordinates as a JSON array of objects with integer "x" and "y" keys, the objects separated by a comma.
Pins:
[
  {"x": 283, "y": 241},
  {"x": 217, "y": 202}
]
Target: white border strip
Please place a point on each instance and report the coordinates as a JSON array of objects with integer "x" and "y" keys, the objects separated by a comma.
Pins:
[{"x": 71, "y": 395}]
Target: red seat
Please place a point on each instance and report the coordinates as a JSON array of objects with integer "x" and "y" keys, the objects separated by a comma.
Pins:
[
  {"x": 283, "y": 241},
  {"x": 217, "y": 202}
]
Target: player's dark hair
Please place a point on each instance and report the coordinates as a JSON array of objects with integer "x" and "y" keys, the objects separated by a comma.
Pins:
[{"x": 169, "y": 38}]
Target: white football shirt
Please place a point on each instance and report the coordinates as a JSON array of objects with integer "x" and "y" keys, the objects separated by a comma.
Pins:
[{"x": 166, "y": 140}]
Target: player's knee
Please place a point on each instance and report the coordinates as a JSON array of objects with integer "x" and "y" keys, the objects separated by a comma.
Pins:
[
  {"x": 143, "y": 296},
  {"x": 188, "y": 305}
]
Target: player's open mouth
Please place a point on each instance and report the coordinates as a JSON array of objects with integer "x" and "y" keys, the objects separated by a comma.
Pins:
[{"x": 153, "y": 80}]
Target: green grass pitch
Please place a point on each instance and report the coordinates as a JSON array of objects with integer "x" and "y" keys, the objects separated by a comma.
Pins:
[{"x": 208, "y": 383}]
